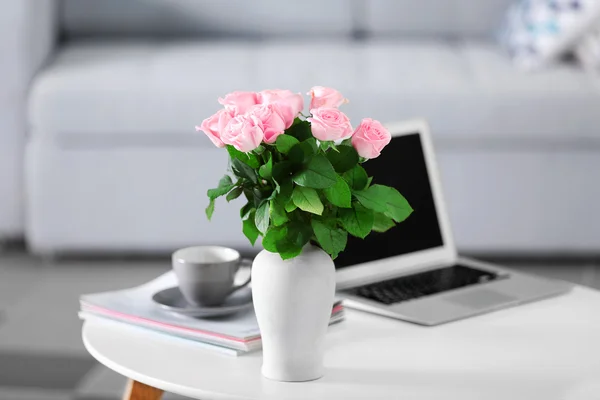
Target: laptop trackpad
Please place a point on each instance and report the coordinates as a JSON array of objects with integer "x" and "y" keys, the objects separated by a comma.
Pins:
[{"x": 480, "y": 298}]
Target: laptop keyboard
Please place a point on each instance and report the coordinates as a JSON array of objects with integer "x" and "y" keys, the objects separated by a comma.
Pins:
[{"x": 422, "y": 284}]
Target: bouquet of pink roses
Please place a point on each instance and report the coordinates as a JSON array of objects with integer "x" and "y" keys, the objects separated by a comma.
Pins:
[{"x": 302, "y": 176}]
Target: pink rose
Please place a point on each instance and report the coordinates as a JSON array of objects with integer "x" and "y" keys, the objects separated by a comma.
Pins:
[
  {"x": 291, "y": 104},
  {"x": 370, "y": 138},
  {"x": 244, "y": 132},
  {"x": 273, "y": 95},
  {"x": 325, "y": 97},
  {"x": 329, "y": 124},
  {"x": 214, "y": 125},
  {"x": 270, "y": 115},
  {"x": 240, "y": 102}
]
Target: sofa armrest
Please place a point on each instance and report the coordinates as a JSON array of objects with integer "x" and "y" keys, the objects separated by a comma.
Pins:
[{"x": 27, "y": 36}]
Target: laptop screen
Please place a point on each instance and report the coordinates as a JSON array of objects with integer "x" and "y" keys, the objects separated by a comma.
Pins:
[{"x": 400, "y": 165}]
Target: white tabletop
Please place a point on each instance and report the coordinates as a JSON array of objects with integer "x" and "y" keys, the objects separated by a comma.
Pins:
[{"x": 544, "y": 350}]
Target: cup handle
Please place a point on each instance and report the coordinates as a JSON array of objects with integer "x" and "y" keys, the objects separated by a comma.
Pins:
[{"x": 248, "y": 263}]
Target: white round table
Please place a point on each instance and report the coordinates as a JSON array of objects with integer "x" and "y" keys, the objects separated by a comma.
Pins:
[{"x": 544, "y": 350}]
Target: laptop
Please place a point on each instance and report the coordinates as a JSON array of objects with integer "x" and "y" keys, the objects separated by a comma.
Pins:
[{"x": 412, "y": 272}]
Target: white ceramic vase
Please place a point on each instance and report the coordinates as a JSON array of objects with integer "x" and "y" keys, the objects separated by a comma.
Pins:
[{"x": 293, "y": 301}]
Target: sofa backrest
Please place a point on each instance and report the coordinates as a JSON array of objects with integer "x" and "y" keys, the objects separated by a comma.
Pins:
[
  {"x": 282, "y": 17},
  {"x": 448, "y": 18},
  {"x": 206, "y": 17}
]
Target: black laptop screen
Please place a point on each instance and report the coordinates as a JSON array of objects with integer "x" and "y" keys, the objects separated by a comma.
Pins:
[{"x": 401, "y": 165}]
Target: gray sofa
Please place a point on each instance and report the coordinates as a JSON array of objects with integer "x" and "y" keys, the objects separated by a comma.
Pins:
[{"x": 113, "y": 163}]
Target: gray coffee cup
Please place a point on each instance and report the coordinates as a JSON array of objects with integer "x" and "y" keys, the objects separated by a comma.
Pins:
[{"x": 206, "y": 274}]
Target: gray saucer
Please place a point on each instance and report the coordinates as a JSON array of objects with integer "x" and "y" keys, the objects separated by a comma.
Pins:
[{"x": 172, "y": 300}]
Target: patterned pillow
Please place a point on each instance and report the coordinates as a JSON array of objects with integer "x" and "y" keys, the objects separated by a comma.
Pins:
[
  {"x": 587, "y": 50},
  {"x": 538, "y": 32}
]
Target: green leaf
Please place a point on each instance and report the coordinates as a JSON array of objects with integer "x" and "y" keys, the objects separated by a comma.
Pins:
[
  {"x": 277, "y": 209},
  {"x": 307, "y": 199},
  {"x": 296, "y": 236},
  {"x": 247, "y": 158},
  {"x": 339, "y": 194},
  {"x": 312, "y": 144},
  {"x": 331, "y": 238},
  {"x": 234, "y": 153},
  {"x": 285, "y": 143},
  {"x": 382, "y": 223},
  {"x": 261, "y": 194},
  {"x": 369, "y": 181},
  {"x": 261, "y": 219},
  {"x": 386, "y": 200},
  {"x": 300, "y": 130},
  {"x": 282, "y": 172},
  {"x": 210, "y": 209},
  {"x": 273, "y": 195},
  {"x": 225, "y": 185},
  {"x": 249, "y": 193},
  {"x": 225, "y": 181},
  {"x": 287, "y": 240},
  {"x": 272, "y": 236},
  {"x": 285, "y": 191},
  {"x": 243, "y": 170},
  {"x": 344, "y": 159},
  {"x": 249, "y": 229},
  {"x": 246, "y": 211},
  {"x": 266, "y": 171},
  {"x": 328, "y": 145},
  {"x": 235, "y": 193},
  {"x": 358, "y": 220},
  {"x": 318, "y": 174},
  {"x": 304, "y": 152},
  {"x": 290, "y": 206},
  {"x": 287, "y": 253},
  {"x": 299, "y": 233},
  {"x": 356, "y": 178}
]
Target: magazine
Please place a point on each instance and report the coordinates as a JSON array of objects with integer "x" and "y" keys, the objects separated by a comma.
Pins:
[
  {"x": 95, "y": 319},
  {"x": 135, "y": 307}
]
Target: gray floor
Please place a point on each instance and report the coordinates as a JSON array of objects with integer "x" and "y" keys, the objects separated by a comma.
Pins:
[{"x": 41, "y": 354}]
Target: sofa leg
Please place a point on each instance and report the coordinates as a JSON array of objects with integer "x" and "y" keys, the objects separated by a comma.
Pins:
[
  {"x": 10, "y": 244},
  {"x": 48, "y": 258}
]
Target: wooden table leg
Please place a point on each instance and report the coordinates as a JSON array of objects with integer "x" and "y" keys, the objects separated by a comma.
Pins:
[{"x": 138, "y": 391}]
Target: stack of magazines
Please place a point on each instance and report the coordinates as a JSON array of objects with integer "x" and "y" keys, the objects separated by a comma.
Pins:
[{"x": 235, "y": 334}]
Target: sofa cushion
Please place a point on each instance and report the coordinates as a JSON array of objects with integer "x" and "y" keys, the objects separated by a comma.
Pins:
[
  {"x": 211, "y": 18},
  {"x": 160, "y": 91},
  {"x": 434, "y": 17},
  {"x": 154, "y": 93},
  {"x": 587, "y": 51},
  {"x": 472, "y": 94}
]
